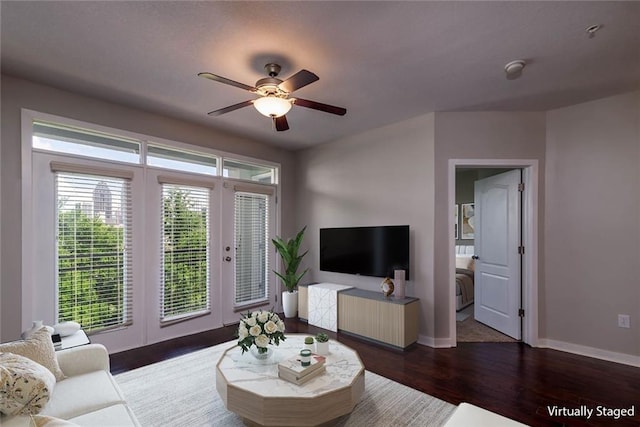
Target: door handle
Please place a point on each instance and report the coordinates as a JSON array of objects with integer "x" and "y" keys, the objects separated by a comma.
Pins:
[
  {"x": 475, "y": 257},
  {"x": 227, "y": 258}
]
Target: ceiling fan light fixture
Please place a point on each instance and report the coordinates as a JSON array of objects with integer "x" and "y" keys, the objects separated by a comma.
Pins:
[{"x": 272, "y": 106}]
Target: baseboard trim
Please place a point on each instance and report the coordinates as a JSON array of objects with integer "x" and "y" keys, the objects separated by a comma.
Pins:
[
  {"x": 596, "y": 353},
  {"x": 434, "y": 342}
]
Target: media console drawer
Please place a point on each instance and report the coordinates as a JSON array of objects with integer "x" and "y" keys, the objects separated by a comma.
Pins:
[{"x": 372, "y": 315}]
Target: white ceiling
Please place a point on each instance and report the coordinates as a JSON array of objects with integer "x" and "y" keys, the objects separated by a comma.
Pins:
[{"x": 383, "y": 61}]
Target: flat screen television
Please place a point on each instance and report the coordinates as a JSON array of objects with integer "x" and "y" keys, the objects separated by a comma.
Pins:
[{"x": 368, "y": 251}]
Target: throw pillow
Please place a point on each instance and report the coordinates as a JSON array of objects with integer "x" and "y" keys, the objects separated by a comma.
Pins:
[
  {"x": 46, "y": 421},
  {"x": 25, "y": 386},
  {"x": 39, "y": 348},
  {"x": 463, "y": 261}
]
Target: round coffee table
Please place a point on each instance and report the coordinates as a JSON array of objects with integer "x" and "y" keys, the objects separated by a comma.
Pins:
[{"x": 252, "y": 389}]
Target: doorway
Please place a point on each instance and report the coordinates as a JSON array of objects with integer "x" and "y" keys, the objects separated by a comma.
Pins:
[
  {"x": 487, "y": 274},
  {"x": 529, "y": 302}
]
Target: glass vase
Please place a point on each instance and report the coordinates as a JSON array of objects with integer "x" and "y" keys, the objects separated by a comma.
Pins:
[{"x": 255, "y": 352}]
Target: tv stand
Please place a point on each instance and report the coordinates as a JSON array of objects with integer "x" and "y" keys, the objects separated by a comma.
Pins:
[{"x": 371, "y": 315}]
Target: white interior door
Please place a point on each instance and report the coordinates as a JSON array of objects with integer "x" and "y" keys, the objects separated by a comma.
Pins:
[{"x": 497, "y": 238}]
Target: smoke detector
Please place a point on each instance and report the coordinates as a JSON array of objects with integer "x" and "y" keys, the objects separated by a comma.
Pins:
[{"x": 514, "y": 69}]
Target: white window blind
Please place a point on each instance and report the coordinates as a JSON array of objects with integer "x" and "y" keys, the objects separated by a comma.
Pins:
[
  {"x": 94, "y": 250},
  {"x": 251, "y": 234},
  {"x": 185, "y": 252}
]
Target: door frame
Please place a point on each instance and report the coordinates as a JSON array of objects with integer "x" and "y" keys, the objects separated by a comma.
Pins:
[{"x": 530, "y": 203}]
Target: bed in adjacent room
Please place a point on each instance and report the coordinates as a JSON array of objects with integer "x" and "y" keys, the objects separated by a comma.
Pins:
[{"x": 464, "y": 276}]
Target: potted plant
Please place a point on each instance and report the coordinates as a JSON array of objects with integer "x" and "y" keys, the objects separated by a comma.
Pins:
[
  {"x": 308, "y": 343},
  {"x": 291, "y": 260},
  {"x": 322, "y": 344}
]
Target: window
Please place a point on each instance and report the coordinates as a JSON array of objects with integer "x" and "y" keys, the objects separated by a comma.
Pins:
[
  {"x": 94, "y": 261},
  {"x": 122, "y": 232},
  {"x": 249, "y": 172},
  {"x": 87, "y": 143},
  {"x": 181, "y": 160},
  {"x": 185, "y": 252},
  {"x": 251, "y": 234}
]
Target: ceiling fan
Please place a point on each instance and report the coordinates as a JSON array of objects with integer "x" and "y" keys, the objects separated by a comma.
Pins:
[{"x": 274, "y": 94}]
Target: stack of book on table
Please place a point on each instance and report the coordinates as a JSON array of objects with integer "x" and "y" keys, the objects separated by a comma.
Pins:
[{"x": 292, "y": 370}]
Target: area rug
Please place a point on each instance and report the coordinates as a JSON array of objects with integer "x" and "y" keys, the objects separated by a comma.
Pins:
[
  {"x": 182, "y": 392},
  {"x": 464, "y": 313},
  {"x": 470, "y": 330}
]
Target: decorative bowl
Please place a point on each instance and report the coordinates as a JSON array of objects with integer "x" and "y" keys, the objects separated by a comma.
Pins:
[{"x": 64, "y": 329}]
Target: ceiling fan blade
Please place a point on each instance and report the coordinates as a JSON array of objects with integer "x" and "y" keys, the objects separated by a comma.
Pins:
[
  {"x": 298, "y": 80},
  {"x": 281, "y": 123},
  {"x": 230, "y": 108},
  {"x": 320, "y": 106},
  {"x": 226, "y": 81}
]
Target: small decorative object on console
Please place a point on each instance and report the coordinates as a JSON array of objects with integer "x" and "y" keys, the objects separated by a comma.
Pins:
[
  {"x": 260, "y": 328},
  {"x": 387, "y": 286},
  {"x": 398, "y": 280}
]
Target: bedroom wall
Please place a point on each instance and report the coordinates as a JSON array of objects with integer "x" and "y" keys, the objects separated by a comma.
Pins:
[
  {"x": 379, "y": 177},
  {"x": 478, "y": 135},
  {"x": 592, "y": 225},
  {"x": 18, "y": 93}
]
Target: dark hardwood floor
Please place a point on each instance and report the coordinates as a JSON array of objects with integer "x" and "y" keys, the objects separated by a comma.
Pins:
[{"x": 511, "y": 379}]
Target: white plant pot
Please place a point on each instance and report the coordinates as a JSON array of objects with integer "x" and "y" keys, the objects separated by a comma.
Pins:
[
  {"x": 322, "y": 348},
  {"x": 290, "y": 303}
]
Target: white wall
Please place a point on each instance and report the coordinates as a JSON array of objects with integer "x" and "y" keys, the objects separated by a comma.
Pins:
[
  {"x": 379, "y": 177},
  {"x": 593, "y": 224},
  {"x": 18, "y": 93}
]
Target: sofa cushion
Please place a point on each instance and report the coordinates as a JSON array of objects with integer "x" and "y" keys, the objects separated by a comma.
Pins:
[
  {"x": 81, "y": 394},
  {"x": 39, "y": 348},
  {"x": 113, "y": 416},
  {"x": 25, "y": 386},
  {"x": 83, "y": 359}
]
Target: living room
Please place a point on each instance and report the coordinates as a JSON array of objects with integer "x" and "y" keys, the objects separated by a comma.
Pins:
[{"x": 371, "y": 170}]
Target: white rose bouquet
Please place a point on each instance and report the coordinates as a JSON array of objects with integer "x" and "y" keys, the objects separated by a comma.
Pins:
[{"x": 260, "y": 328}]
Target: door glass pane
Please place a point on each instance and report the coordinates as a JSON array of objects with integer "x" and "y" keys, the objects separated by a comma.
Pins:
[
  {"x": 94, "y": 251},
  {"x": 251, "y": 234},
  {"x": 185, "y": 252}
]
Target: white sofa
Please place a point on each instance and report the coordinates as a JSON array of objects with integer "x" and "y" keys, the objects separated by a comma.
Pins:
[
  {"x": 88, "y": 396},
  {"x": 467, "y": 415}
]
